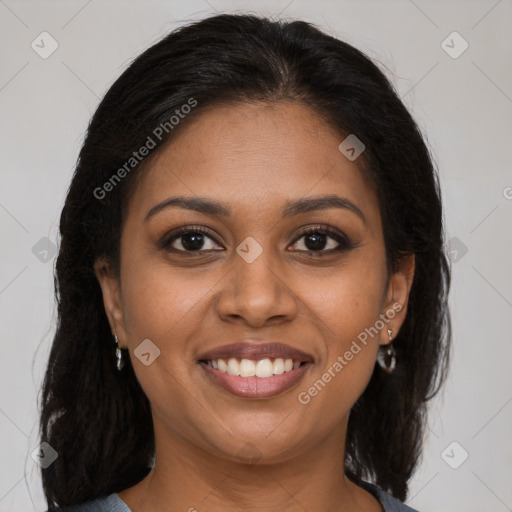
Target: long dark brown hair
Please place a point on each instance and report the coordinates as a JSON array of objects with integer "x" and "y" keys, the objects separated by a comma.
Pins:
[{"x": 99, "y": 419}]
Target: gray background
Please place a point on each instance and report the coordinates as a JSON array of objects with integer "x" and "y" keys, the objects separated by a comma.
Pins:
[{"x": 463, "y": 104}]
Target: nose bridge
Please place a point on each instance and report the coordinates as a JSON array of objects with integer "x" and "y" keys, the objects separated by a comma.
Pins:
[
  {"x": 256, "y": 291},
  {"x": 256, "y": 268}
]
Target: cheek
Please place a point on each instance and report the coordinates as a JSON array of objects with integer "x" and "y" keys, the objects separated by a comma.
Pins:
[
  {"x": 347, "y": 307},
  {"x": 160, "y": 302},
  {"x": 170, "y": 307},
  {"x": 348, "y": 300},
  {"x": 165, "y": 306}
]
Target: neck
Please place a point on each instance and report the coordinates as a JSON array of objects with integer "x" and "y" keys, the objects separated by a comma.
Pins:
[{"x": 188, "y": 478}]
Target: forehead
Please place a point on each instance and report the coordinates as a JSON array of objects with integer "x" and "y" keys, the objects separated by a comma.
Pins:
[{"x": 254, "y": 156}]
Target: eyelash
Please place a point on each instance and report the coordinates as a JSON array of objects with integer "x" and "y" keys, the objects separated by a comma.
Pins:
[{"x": 344, "y": 243}]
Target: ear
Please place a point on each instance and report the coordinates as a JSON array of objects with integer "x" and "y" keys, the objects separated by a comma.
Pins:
[
  {"x": 110, "y": 287},
  {"x": 397, "y": 297}
]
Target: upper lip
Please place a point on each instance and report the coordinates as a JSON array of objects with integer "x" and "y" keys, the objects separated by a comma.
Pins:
[{"x": 256, "y": 351}]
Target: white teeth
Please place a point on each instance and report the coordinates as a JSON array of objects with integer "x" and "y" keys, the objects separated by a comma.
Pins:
[
  {"x": 278, "y": 366},
  {"x": 223, "y": 367},
  {"x": 233, "y": 367},
  {"x": 247, "y": 368},
  {"x": 262, "y": 368}
]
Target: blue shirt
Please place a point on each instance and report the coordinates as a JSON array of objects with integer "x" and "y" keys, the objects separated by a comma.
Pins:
[{"x": 113, "y": 503}]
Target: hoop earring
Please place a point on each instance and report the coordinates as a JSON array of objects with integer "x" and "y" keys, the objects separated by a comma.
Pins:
[
  {"x": 386, "y": 356},
  {"x": 119, "y": 354}
]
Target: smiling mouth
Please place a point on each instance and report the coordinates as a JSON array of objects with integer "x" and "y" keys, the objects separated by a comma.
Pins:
[
  {"x": 262, "y": 368},
  {"x": 255, "y": 379}
]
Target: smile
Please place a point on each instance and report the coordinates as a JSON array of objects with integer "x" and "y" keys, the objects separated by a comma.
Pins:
[
  {"x": 264, "y": 368},
  {"x": 261, "y": 378}
]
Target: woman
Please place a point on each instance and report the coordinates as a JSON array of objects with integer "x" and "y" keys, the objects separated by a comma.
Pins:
[{"x": 251, "y": 283}]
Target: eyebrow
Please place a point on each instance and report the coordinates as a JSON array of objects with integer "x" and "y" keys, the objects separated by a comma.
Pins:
[{"x": 291, "y": 208}]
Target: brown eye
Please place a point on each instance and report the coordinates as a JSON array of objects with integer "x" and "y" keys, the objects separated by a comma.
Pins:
[
  {"x": 322, "y": 240},
  {"x": 190, "y": 240}
]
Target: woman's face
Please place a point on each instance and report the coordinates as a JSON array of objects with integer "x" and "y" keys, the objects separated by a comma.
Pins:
[{"x": 254, "y": 276}]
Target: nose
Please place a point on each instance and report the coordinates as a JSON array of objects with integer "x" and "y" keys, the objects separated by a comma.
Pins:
[{"x": 256, "y": 293}]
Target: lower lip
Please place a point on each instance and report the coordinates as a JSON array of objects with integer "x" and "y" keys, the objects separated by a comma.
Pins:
[{"x": 255, "y": 387}]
